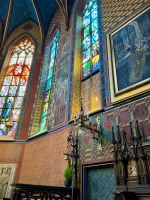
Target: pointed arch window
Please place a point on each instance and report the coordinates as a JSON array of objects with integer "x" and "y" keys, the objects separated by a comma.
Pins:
[
  {"x": 14, "y": 86},
  {"x": 49, "y": 81},
  {"x": 90, "y": 43}
]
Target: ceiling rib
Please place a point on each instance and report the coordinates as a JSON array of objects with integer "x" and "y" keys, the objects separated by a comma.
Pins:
[
  {"x": 63, "y": 4},
  {"x": 39, "y": 20},
  {"x": 6, "y": 25}
]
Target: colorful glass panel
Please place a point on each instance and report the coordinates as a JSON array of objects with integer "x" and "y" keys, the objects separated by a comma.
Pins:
[
  {"x": 95, "y": 48},
  {"x": 90, "y": 44},
  {"x": 14, "y": 86},
  {"x": 86, "y": 31},
  {"x": 86, "y": 55},
  {"x": 86, "y": 42},
  {"x": 95, "y": 62},
  {"x": 47, "y": 95},
  {"x": 86, "y": 69}
]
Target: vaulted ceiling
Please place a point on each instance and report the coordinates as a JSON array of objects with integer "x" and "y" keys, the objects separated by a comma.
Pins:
[{"x": 15, "y": 12}]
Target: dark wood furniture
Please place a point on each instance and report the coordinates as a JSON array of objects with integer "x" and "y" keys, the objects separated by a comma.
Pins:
[
  {"x": 131, "y": 165},
  {"x": 41, "y": 192}
]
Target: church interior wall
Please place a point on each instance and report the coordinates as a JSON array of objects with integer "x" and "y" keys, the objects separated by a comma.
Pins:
[{"x": 40, "y": 160}]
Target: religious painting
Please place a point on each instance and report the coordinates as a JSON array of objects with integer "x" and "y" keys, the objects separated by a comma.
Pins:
[
  {"x": 58, "y": 107},
  {"x": 129, "y": 57},
  {"x": 6, "y": 178}
]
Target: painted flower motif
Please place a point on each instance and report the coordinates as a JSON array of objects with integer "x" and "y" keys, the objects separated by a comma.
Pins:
[
  {"x": 107, "y": 124},
  {"x": 86, "y": 140}
]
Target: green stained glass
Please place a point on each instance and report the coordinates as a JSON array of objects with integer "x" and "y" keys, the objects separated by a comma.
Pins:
[
  {"x": 86, "y": 31},
  {"x": 90, "y": 44},
  {"x": 47, "y": 95},
  {"x": 86, "y": 69},
  {"x": 44, "y": 113},
  {"x": 94, "y": 25},
  {"x": 87, "y": 65},
  {"x": 86, "y": 42},
  {"x": 94, "y": 14},
  {"x": 43, "y": 125}
]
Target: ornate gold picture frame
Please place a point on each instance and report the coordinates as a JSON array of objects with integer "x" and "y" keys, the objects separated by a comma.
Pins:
[{"x": 129, "y": 57}]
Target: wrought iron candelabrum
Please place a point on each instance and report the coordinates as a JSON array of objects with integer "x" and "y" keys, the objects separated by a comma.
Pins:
[
  {"x": 82, "y": 120},
  {"x": 72, "y": 141}
]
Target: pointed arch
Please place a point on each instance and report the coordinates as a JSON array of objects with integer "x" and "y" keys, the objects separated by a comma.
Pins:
[{"x": 15, "y": 81}]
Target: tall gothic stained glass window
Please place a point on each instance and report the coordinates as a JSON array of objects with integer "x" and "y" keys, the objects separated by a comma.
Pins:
[
  {"x": 90, "y": 44},
  {"x": 50, "y": 76},
  {"x": 14, "y": 86}
]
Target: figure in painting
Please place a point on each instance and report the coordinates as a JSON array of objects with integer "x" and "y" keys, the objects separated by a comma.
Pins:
[
  {"x": 4, "y": 178},
  {"x": 61, "y": 107},
  {"x": 132, "y": 168}
]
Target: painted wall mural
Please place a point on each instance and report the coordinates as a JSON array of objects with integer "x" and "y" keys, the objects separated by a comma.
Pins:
[
  {"x": 58, "y": 105},
  {"x": 66, "y": 45},
  {"x": 121, "y": 116}
]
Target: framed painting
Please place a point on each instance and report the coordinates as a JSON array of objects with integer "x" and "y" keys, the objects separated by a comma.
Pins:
[{"x": 129, "y": 57}]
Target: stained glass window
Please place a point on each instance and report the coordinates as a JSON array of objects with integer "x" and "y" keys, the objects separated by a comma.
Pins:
[
  {"x": 90, "y": 44},
  {"x": 48, "y": 86},
  {"x": 14, "y": 86}
]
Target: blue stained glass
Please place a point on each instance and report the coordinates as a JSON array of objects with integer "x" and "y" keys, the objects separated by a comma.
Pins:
[
  {"x": 86, "y": 42},
  {"x": 4, "y": 91},
  {"x": 86, "y": 20},
  {"x": 95, "y": 36},
  {"x": 90, "y": 4},
  {"x": 94, "y": 25},
  {"x": 53, "y": 54},
  {"x": 48, "y": 84},
  {"x": 52, "y": 62},
  {"x": 86, "y": 55},
  {"x": 9, "y": 102},
  {"x": 94, "y": 14},
  {"x": 54, "y": 46},
  {"x": 94, "y": 5},
  {"x": 50, "y": 72},
  {"x": 86, "y": 31}
]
